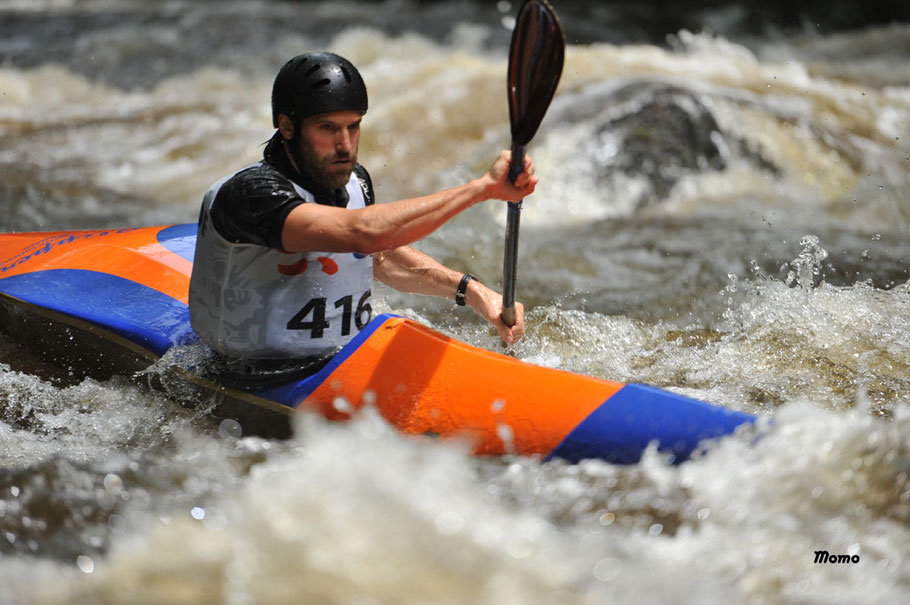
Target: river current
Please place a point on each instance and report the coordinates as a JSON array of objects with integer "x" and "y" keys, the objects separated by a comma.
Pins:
[{"x": 723, "y": 212}]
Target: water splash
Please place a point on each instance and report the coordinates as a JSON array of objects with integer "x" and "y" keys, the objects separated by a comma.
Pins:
[{"x": 807, "y": 267}]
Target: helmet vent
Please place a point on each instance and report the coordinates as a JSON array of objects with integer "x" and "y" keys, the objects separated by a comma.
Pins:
[
  {"x": 347, "y": 74},
  {"x": 321, "y": 83},
  {"x": 311, "y": 71}
]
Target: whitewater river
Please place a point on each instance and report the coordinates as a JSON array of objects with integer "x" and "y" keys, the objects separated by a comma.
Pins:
[{"x": 723, "y": 215}]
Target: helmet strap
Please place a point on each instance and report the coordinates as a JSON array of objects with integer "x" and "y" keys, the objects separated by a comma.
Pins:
[{"x": 292, "y": 148}]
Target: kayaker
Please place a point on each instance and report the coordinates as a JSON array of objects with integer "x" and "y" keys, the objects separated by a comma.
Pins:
[{"x": 288, "y": 248}]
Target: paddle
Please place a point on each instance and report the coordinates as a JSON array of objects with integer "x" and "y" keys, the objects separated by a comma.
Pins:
[{"x": 536, "y": 56}]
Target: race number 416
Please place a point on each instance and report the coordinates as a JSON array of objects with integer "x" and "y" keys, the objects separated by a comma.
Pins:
[{"x": 312, "y": 316}]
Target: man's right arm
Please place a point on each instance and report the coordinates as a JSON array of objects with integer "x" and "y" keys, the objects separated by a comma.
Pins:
[{"x": 376, "y": 228}]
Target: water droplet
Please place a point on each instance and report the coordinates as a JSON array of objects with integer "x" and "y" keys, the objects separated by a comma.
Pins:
[
  {"x": 230, "y": 428},
  {"x": 113, "y": 484},
  {"x": 85, "y": 564},
  {"x": 369, "y": 398},
  {"x": 341, "y": 404},
  {"x": 703, "y": 513},
  {"x": 198, "y": 513},
  {"x": 505, "y": 433},
  {"x": 656, "y": 529}
]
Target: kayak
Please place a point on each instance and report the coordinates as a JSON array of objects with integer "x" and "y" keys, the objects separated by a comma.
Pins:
[{"x": 108, "y": 302}]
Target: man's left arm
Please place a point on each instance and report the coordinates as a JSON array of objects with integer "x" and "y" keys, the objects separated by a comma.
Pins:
[{"x": 411, "y": 271}]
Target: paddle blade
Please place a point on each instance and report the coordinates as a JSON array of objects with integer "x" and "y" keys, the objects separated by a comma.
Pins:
[{"x": 536, "y": 57}]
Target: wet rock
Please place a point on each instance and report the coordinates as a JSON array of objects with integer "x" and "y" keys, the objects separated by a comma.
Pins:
[
  {"x": 669, "y": 134},
  {"x": 654, "y": 134}
]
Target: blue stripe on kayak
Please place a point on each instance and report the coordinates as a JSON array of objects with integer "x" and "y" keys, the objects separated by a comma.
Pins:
[
  {"x": 293, "y": 394},
  {"x": 180, "y": 239},
  {"x": 138, "y": 313},
  {"x": 622, "y": 427}
]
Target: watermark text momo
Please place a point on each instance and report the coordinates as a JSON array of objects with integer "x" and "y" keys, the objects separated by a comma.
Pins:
[{"x": 823, "y": 556}]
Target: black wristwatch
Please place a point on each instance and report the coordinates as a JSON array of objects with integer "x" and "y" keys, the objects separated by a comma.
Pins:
[{"x": 462, "y": 288}]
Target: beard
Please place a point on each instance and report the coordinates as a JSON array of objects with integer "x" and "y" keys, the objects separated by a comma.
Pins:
[{"x": 332, "y": 171}]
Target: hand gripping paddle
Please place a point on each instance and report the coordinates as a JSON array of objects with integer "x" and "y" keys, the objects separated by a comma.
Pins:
[{"x": 536, "y": 57}]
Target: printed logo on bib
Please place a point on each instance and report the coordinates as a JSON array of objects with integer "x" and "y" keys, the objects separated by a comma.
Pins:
[
  {"x": 329, "y": 267},
  {"x": 312, "y": 316}
]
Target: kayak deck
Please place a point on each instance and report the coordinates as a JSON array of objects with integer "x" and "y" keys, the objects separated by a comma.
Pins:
[{"x": 123, "y": 294}]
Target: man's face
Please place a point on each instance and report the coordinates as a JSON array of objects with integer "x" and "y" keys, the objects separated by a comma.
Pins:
[{"x": 328, "y": 146}]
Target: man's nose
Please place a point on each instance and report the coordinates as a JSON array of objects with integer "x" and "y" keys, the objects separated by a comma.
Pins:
[{"x": 343, "y": 142}]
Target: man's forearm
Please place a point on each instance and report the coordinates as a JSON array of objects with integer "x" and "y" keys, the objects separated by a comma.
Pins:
[
  {"x": 406, "y": 221},
  {"x": 379, "y": 227},
  {"x": 409, "y": 270}
]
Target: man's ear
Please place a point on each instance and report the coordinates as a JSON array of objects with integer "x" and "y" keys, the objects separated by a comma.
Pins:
[{"x": 285, "y": 126}]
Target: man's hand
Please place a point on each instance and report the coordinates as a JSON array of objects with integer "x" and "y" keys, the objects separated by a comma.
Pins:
[
  {"x": 488, "y": 304},
  {"x": 500, "y": 187}
]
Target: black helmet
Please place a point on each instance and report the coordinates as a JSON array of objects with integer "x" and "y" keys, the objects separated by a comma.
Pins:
[{"x": 315, "y": 83}]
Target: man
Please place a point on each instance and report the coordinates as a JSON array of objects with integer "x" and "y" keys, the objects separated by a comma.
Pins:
[{"x": 288, "y": 248}]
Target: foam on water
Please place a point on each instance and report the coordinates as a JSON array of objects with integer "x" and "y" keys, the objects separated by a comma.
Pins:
[{"x": 357, "y": 513}]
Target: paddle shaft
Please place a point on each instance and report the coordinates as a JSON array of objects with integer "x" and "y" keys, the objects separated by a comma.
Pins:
[
  {"x": 536, "y": 56},
  {"x": 510, "y": 257}
]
